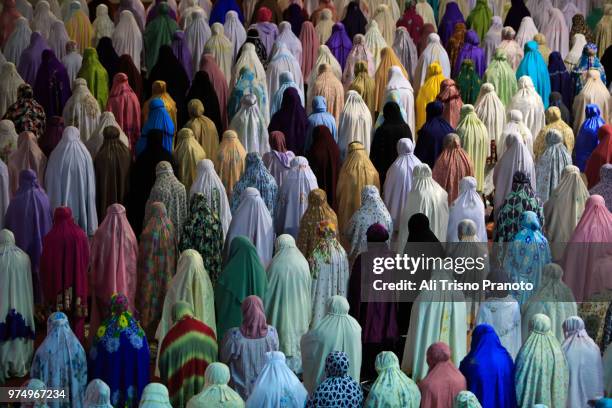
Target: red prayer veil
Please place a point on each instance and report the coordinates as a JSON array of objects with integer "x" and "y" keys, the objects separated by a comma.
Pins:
[
  {"x": 600, "y": 156},
  {"x": 63, "y": 269}
]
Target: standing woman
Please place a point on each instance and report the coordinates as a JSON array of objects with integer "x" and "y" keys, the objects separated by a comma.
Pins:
[{"x": 17, "y": 308}]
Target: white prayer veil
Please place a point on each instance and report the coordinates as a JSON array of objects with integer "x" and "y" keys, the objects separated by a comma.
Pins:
[
  {"x": 426, "y": 197},
  {"x": 434, "y": 52},
  {"x": 197, "y": 34},
  {"x": 252, "y": 219},
  {"x": 234, "y": 31},
  {"x": 355, "y": 124},
  {"x": 82, "y": 110},
  {"x": 210, "y": 185},
  {"x": 71, "y": 180},
  {"x": 127, "y": 38},
  {"x": 249, "y": 124},
  {"x": 293, "y": 43},
  {"x": 18, "y": 40},
  {"x": 9, "y": 83},
  {"x": 467, "y": 205},
  {"x": 529, "y": 103}
]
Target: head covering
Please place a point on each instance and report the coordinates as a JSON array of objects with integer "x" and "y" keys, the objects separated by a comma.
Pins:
[
  {"x": 169, "y": 191},
  {"x": 386, "y": 138},
  {"x": 216, "y": 393},
  {"x": 26, "y": 114},
  {"x": 108, "y": 56},
  {"x": 541, "y": 350},
  {"x": 114, "y": 253},
  {"x": 492, "y": 38},
  {"x": 9, "y": 82},
  {"x": 126, "y": 65},
  {"x": 210, "y": 88},
  {"x": 181, "y": 51},
  {"x": 560, "y": 80},
  {"x": 60, "y": 360},
  {"x": 190, "y": 285},
  {"x": 142, "y": 177},
  {"x": 452, "y": 165},
  {"x": 564, "y": 207},
  {"x": 124, "y": 105},
  {"x": 528, "y": 253},
  {"x": 575, "y": 53},
  {"x": 249, "y": 123},
  {"x": 392, "y": 387},
  {"x": 489, "y": 369},
  {"x": 357, "y": 171},
  {"x": 218, "y": 14},
  {"x": 78, "y": 26},
  {"x": 451, "y": 17},
  {"x": 291, "y": 120},
  {"x": 289, "y": 278},
  {"x": 310, "y": 44},
  {"x": 188, "y": 152},
  {"x": 111, "y": 164},
  {"x": 375, "y": 41},
  {"x": 16, "y": 309},
  {"x": 339, "y": 385},
  {"x": 551, "y": 164},
  {"x": 443, "y": 381},
  {"x": 318, "y": 210},
  {"x": 354, "y": 20},
  {"x": 355, "y": 123},
  {"x": 586, "y": 139},
  {"x": 534, "y": 66},
  {"x": 229, "y": 162},
  {"x": 18, "y": 40},
  {"x": 155, "y": 395},
  {"x": 580, "y": 258},
  {"x": 474, "y": 139},
  {"x": 157, "y": 117},
  {"x": 468, "y": 82},
  {"x": 203, "y": 128},
  {"x": 278, "y": 159},
  {"x": 127, "y": 38},
  {"x": 298, "y": 181},
  {"x": 220, "y": 47},
  {"x": 359, "y": 53},
  {"x": 187, "y": 349},
  {"x": 9, "y": 139},
  {"x": 500, "y": 74},
  {"x": 431, "y": 135},
  {"x": 120, "y": 346},
  {"x": 521, "y": 195},
  {"x": 583, "y": 361},
  {"x": 529, "y": 103},
  {"x": 103, "y": 25},
  {"x": 471, "y": 50},
  {"x": 71, "y": 180},
  {"x": 603, "y": 187},
  {"x": 490, "y": 110},
  {"x": 426, "y": 197},
  {"x": 159, "y": 32},
  {"x": 82, "y": 110},
  {"x": 399, "y": 179},
  {"x": 405, "y": 49},
  {"x": 58, "y": 38},
  {"x": 433, "y": 53},
  {"x": 480, "y": 18},
  {"x": 588, "y": 60},
  {"x": 256, "y": 175},
  {"x": 337, "y": 332},
  {"x": 94, "y": 143},
  {"x": 339, "y": 43},
  {"x": 8, "y": 16},
  {"x": 428, "y": 92},
  {"x": 276, "y": 383},
  {"x": 31, "y": 58},
  {"x": 293, "y": 43},
  {"x": 320, "y": 117},
  {"x": 97, "y": 395},
  {"x": 372, "y": 211},
  {"x": 285, "y": 81},
  {"x": 593, "y": 92},
  {"x": 269, "y": 33},
  {"x": 27, "y": 155},
  {"x": 601, "y": 155},
  {"x": 157, "y": 256},
  {"x": 242, "y": 276},
  {"x": 451, "y": 99}
]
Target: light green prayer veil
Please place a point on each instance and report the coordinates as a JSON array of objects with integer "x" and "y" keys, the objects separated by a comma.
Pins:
[
  {"x": 392, "y": 387},
  {"x": 216, "y": 392},
  {"x": 502, "y": 76},
  {"x": 96, "y": 76},
  {"x": 337, "y": 331},
  {"x": 553, "y": 298},
  {"x": 155, "y": 395},
  {"x": 541, "y": 374},
  {"x": 475, "y": 141},
  {"x": 287, "y": 303},
  {"x": 465, "y": 399},
  {"x": 480, "y": 18}
]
